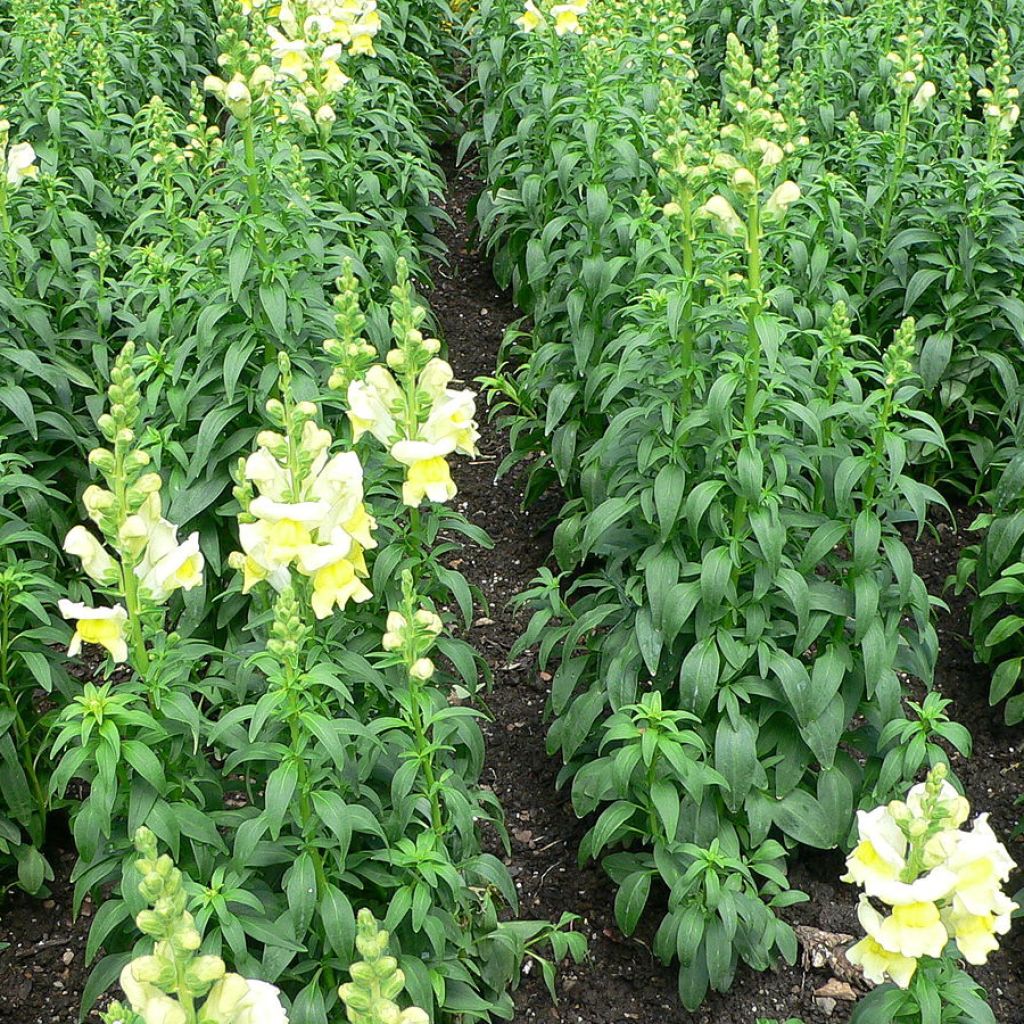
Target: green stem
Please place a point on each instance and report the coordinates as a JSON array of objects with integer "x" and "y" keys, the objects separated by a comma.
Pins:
[
  {"x": 687, "y": 326},
  {"x": 9, "y": 246},
  {"x": 129, "y": 581},
  {"x": 897, "y": 171}
]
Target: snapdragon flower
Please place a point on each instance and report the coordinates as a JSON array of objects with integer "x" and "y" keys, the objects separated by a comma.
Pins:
[
  {"x": 939, "y": 882},
  {"x": 303, "y": 510},
  {"x": 103, "y": 627}
]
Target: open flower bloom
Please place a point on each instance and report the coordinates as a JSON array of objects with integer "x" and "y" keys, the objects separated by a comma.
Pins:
[
  {"x": 879, "y": 855},
  {"x": 913, "y": 930},
  {"x": 101, "y": 626},
  {"x": 531, "y": 18},
  {"x": 782, "y": 198},
  {"x": 339, "y": 488},
  {"x": 719, "y": 208},
  {"x": 237, "y": 1000},
  {"x": 371, "y": 402},
  {"x": 96, "y": 561},
  {"x": 975, "y": 934},
  {"x": 21, "y": 163},
  {"x": 334, "y": 569},
  {"x": 262, "y": 1005},
  {"x": 280, "y": 532},
  {"x": 877, "y": 962},
  {"x": 980, "y": 864},
  {"x": 427, "y": 473},
  {"x": 451, "y": 422},
  {"x": 181, "y": 567},
  {"x": 567, "y": 18}
]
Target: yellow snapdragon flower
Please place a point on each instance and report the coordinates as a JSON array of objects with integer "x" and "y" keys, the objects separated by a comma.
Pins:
[
  {"x": 879, "y": 853},
  {"x": 334, "y": 574},
  {"x": 531, "y": 18},
  {"x": 980, "y": 865},
  {"x": 877, "y": 962},
  {"x": 20, "y": 163},
  {"x": 371, "y": 402},
  {"x": 567, "y": 18},
  {"x": 178, "y": 567},
  {"x": 427, "y": 472},
  {"x": 101, "y": 626},
  {"x": 913, "y": 930}
]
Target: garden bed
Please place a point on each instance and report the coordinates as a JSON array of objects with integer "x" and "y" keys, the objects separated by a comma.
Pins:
[{"x": 44, "y": 969}]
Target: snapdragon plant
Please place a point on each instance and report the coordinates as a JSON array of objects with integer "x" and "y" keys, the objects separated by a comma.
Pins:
[{"x": 941, "y": 889}]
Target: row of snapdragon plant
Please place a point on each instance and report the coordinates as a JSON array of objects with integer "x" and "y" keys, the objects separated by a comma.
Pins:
[
  {"x": 736, "y": 609},
  {"x": 938, "y": 175},
  {"x": 126, "y": 217},
  {"x": 282, "y": 704}
]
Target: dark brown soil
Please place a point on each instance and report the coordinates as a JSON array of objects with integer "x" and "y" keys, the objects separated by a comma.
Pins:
[{"x": 43, "y": 971}]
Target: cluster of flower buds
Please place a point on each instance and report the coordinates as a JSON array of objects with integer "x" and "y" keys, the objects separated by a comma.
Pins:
[
  {"x": 411, "y": 634},
  {"x": 302, "y": 508},
  {"x": 756, "y": 142},
  {"x": 204, "y": 141},
  {"x": 377, "y": 980},
  {"x": 352, "y": 354},
  {"x": 246, "y": 75},
  {"x": 17, "y": 162},
  {"x": 561, "y": 18},
  {"x": 409, "y": 408},
  {"x": 898, "y": 360},
  {"x": 151, "y": 563},
  {"x": 908, "y": 61},
  {"x": 999, "y": 98},
  {"x": 165, "y": 986},
  {"x": 685, "y": 157},
  {"x": 938, "y": 882},
  {"x": 157, "y": 123}
]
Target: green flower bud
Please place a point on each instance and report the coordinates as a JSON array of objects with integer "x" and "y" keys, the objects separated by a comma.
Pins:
[{"x": 103, "y": 460}]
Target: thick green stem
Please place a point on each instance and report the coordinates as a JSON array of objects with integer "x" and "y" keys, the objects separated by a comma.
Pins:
[{"x": 687, "y": 325}]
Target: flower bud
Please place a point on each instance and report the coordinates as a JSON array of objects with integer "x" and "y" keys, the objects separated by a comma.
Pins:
[
  {"x": 203, "y": 972},
  {"x": 429, "y": 621},
  {"x": 238, "y": 99},
  {"x": 923, "y": 96},
  {"x": 149, "y": 483},
  {"x": 743, "y": 180},
  {"x": 782, "y": 198},
  {"x": 149, "y": 922},
  {"x": 422, "y": 669},
  {"x": 325, "y": 115},
  {"x": 102, "y": 459},
  {"x": 396, "y": 359}
]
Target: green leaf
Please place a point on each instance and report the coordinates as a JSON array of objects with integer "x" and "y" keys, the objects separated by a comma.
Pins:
[
  {"x": 699, "y": 675},
  {"x": 279, "y": 793},
  {"x": 669, "y": 493},
  {"x": 800, "y": 816},
  {"x": 715, "y": 576},
  {"x": 736, "y": 758},
  {"x": 17, "y": 400},
  {"x": 631, "y": 899}
]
